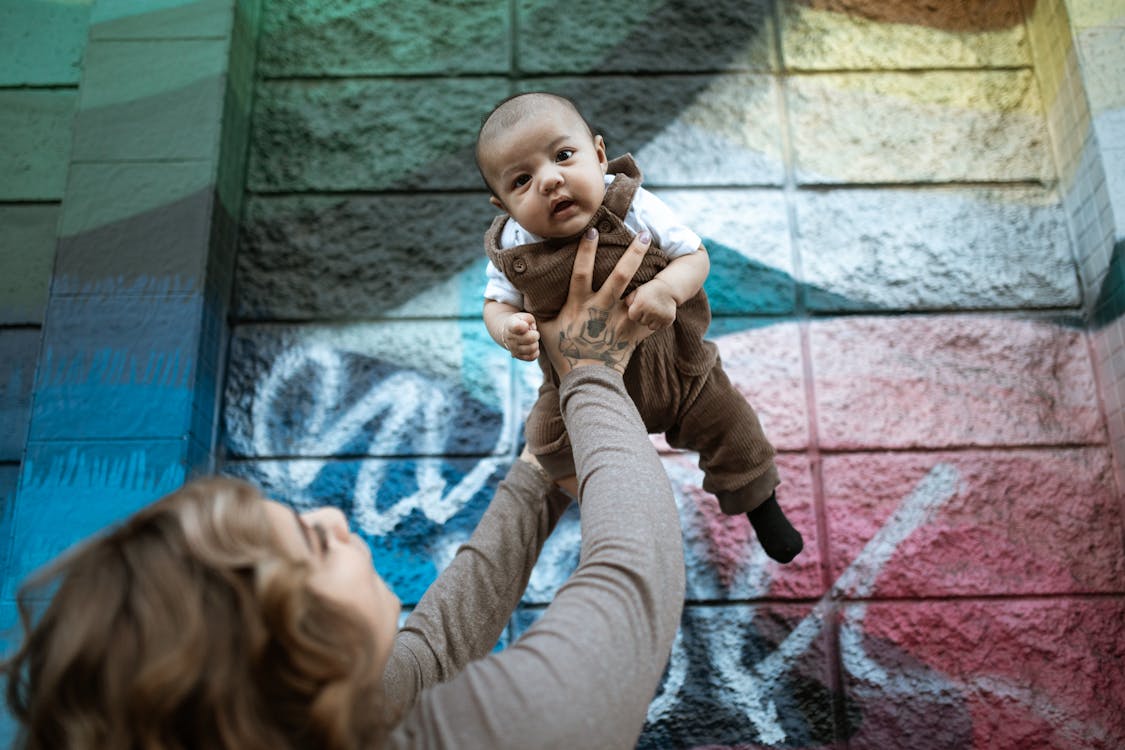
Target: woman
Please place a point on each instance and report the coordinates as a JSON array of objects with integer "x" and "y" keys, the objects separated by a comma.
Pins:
[{"x": 218, "y": 619}]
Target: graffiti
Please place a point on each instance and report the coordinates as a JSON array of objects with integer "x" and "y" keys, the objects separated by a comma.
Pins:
[
  {"x": 404, "y": 412},
  {"x": 752, "y": 692}
]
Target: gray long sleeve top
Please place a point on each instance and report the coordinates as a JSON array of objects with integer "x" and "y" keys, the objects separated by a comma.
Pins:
[{"x": 584, "y": 674}]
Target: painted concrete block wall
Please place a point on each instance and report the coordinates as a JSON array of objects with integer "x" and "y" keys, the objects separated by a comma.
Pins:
[
  {"x": 899, "y": 289},
  {"x": 1098, "y": 29},
  {"x": 122, "y": 186},
  {"x": 38, "y": 95}
]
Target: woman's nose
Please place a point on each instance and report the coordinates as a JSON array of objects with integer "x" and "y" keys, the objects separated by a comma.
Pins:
[{"x": 333, "y": 520}]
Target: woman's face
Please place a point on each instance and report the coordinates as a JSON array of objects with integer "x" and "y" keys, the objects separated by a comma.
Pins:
[{"x": 341, "y": 567}]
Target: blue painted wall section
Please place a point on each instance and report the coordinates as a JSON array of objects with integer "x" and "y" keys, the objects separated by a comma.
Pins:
[{"x": 124, "y": 397}]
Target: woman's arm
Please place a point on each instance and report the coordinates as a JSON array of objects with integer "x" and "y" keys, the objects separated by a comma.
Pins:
[
  {"x": 462, "y": 615},
  {"x": 584, "y": 674}
]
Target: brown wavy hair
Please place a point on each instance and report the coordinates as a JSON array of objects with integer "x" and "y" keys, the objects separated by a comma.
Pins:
[{"x": 189, "y": 626}]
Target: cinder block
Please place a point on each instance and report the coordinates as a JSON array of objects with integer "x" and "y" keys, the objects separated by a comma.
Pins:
[
  {"x": 945, "y": 126},
  {"x": 411, "y": 388},
  {"x": 151, "y": 100},
  {"x": 746, "y": 233},
  {"x": 874, "y": 35},
  {"x": 1003, "y": 674},
  {"x": 41, "y": 43},
  {"x": 19, "y": 351},
  {"x": 413, "y": 513},
  {"x": 35, "y": 150},
  {"x": 745, "y": 676},
  {"x": 347, "y": 257},
  {"x": 365, "y": 134},
  {"x": 161, "y": 19},
  {"x": 310, "y": 38},
  {"x": 135, "y": 228},
  {"x": 684, "y": 130},
  {"x": 945, "y": 381},
  {"x": 117, "y": 367},
  {"x": 724, "y": 559},
  {"x": 977, "y": 523},
  {"x": 70, "y": 490},
  {"x": 764, "y": 363},
  {"x": 935, "y": 249},
  {"x": 687, "y": 37},
  {"x": 27, "y": 253}
]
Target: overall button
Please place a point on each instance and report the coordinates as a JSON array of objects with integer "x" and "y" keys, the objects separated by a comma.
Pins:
[
  {"x": 605, "y": 226},
  {"x": 518, "y": 265}
]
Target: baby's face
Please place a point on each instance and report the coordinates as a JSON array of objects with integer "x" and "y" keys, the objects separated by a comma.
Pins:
[{"x": 547, "y": 173}]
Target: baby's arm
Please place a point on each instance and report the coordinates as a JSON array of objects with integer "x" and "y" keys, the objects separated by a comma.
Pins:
[
  {"x": 512, "y": 329},
  {"x": 654, "y": 303}
]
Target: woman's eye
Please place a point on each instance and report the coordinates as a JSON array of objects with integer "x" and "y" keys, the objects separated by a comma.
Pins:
[
  {"x": 563, "y": 155},
  {"x": 521, "y": 180}
]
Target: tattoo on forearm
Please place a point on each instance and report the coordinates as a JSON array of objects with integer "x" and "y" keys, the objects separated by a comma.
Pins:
[{"x": 595, "y": 340}]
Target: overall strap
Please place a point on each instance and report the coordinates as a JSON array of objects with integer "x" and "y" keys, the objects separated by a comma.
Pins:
[{"x": 619, "y": 194}]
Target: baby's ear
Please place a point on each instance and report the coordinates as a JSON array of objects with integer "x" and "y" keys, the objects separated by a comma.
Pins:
[
  {"x": 599, "y": 148},
  {"x": 496, "y": 202}
]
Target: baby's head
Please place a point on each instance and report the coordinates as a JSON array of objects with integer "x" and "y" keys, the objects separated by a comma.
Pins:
[{"x": 543, "y": 163}]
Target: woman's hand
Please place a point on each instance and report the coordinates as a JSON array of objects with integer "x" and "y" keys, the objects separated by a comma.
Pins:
[{"x": 594, "y": 327}]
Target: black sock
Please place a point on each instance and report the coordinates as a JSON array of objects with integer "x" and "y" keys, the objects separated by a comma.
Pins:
[{"x": 777, "y": 536}]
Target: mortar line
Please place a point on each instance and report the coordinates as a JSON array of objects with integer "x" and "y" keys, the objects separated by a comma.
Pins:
[{"x": 789, "y": 190}]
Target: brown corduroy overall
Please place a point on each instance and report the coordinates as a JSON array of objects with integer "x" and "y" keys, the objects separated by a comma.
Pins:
[{"x": 675, "y": 377}]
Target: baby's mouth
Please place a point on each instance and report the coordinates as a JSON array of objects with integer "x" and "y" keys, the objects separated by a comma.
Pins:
[{"x": 561, "y": 206}]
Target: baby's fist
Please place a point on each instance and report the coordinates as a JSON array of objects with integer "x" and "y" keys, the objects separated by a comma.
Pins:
[
  {"x": 521, "y": 337},
  {"x": 652, "y": 305}
]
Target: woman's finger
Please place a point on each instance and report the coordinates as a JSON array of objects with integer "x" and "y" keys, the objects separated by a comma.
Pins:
[
  {"x": 582, "y": 277},
  {"x": 623, "y": 272}
]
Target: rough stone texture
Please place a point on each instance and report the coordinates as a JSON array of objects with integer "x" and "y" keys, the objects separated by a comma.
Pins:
[
  {"x": 975, "y": 523},
  {"x": 392, "y": 389},
  {"x": 27, "y": 251},
  {"x": 935, "y": 249},
  {"x": 684, "y": 130},
  {"x": 746, "y": 233},
  {"x": 919, "y": 127},
  {"x": 741, "y": 677},
  {"x": 35, "y": 149},
  {"x": 1003, "y": 674},
  {"x": 764, "y": 363},
  {"x": 902, "y": 34},
  {"x": 151, "y": 100},
  {"x": 724, "y": 559},
  {"x": 645, "y": 37},
  {"x": 348, "y": 257},
  {"x": 368, "y": 134},
  {"x": 413, "y": 513},
  {"x": 30, "y": 58},
  {"x": 310, "y": 37},
  {"x": 19, "y": 350},
  {"x": 952, "y": 381}
]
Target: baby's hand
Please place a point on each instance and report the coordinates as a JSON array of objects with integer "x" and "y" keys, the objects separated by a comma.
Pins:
[
  {"x": 652, "y": 305},
  {"x": 521, "y": 337}
]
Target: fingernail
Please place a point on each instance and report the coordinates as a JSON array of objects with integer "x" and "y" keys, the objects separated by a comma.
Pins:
[
  {"x": 591, "y": 234},
  {"x": 644, "y": 237}
]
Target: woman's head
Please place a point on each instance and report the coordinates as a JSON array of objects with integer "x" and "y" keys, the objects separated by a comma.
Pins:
[{"x": 200, "y": 623}]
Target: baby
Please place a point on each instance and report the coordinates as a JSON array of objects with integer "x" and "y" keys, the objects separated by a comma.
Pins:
[{"x": 548, "y": 171}]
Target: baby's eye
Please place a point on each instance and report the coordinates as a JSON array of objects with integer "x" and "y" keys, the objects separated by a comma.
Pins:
[
  {"x": 565, "y": 154},
  {"x": 523, "y": 179}
]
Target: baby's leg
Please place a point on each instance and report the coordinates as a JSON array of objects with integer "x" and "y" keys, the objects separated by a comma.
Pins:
[
  {"x": 546, "y": 435},
  {"x": 737, "y": 461}
]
